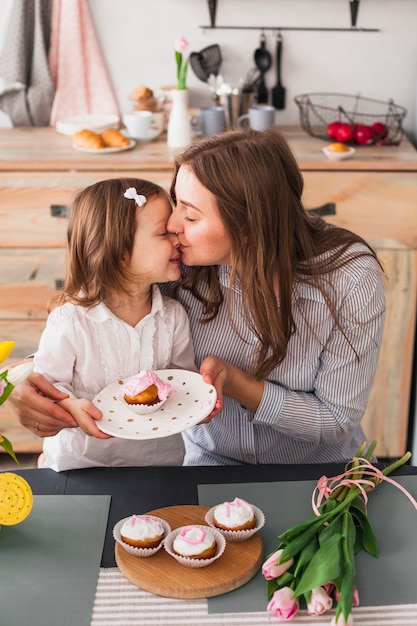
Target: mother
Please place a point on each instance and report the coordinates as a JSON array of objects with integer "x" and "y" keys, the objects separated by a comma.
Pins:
[{"x": 291, "y": 307}]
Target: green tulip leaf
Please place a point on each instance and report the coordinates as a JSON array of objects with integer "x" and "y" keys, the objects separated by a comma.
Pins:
[
  {"x": 306, "y": 555},
  {"x": 325, "y": 566},
  {"x": 6, "y": 444},
  {"x": 367, "y": 535}
]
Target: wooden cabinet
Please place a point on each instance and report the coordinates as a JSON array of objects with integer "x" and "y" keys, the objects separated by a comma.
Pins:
[{"x": 374, "y": 194}]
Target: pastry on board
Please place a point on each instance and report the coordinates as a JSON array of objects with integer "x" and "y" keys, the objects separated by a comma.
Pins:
[
  {"x": 236, "y": 515},
  {"x": 195, "y": 542},
  {"x": 142, "y": 531}
]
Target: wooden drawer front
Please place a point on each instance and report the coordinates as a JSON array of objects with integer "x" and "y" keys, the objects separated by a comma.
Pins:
[
  {"x": 379, "y": 206},
  {"x": 26, "y": 201},
  {"x": 31, "y": 279},
  {"x": 386, "y": 417}
]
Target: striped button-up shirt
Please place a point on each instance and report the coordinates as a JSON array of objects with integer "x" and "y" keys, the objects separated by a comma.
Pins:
[{"x": 313, "y": 402}]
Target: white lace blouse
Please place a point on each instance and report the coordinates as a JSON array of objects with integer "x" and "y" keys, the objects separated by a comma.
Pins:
[{"x": 81, "y": 351}]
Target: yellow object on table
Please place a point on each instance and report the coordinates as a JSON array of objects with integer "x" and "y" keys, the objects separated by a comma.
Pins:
[{"x": 16, "y": 499}]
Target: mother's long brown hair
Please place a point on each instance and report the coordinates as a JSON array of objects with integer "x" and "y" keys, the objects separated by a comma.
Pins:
[
  {"x": 100, "y": 234},
  {"x": 258, "y": 187}
]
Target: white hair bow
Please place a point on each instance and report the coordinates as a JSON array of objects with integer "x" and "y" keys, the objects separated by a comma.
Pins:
[{"x": 132, "y": 194}]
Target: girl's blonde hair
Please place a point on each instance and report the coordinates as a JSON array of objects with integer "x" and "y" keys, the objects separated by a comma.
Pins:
[
  {"x": 100, "y": 235},
  {"x": 258, "y": 187}
]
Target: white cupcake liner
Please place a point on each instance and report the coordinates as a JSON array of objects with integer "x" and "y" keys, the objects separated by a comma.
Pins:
[
  {"x": 144, "y": 409},
  {"x": 194, "y": 562},
  {"x": 234, "y": 536},
  {"x": 140, "y": 552}
]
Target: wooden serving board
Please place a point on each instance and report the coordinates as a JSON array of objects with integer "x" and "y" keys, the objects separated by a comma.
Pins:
[{"x": 163, "y": 575}]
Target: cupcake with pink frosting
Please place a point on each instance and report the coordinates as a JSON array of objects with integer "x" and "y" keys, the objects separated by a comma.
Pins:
[
  {"x": 195, "y": 545},
  {"x": 237, "y": 520},
  {"x": 145, "y": 392}
]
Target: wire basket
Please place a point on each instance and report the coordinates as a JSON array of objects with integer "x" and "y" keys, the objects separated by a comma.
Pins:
[{"x": 318, "y": 110}]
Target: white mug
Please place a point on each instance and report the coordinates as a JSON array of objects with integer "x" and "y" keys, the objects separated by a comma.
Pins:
[
  {"x": 259, "y": 117},
  {"x": 138, "y": 123}
]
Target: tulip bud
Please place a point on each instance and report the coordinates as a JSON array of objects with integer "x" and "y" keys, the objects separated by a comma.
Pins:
[
  {"x": 272, "y": 568},
  {"x": 319, "y": 602},
  {"x": 283, "y": 604}
]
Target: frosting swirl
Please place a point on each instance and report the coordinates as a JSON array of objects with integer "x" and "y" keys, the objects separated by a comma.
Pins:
[{"x": 145, "y": 379}]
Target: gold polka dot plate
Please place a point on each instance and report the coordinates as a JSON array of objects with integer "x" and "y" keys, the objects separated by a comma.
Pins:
[{"x": 192, "y": 401}]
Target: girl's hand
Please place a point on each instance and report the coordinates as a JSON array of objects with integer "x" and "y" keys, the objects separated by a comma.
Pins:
[
  {"x": 34, "y": 401},
  {"x": 85, "y": 413}
]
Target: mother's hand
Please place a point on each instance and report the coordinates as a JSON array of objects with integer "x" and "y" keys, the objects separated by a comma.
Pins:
[
  {"x": 233, "y": 382},
  {"x": 214, "y": 372},
  {"x": 34, "y": 401}
]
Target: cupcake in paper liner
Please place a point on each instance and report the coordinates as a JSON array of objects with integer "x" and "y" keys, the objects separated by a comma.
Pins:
[
  {"x": 145, "y": 393},
  {"x": 187, "y": 544},
  {"x": 239, "y": 520},
  {"x": 144, "y": 409},
  {"x": 142, "y": 529}
]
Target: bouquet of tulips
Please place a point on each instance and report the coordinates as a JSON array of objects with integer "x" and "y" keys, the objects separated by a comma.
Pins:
[
  {"x": 315, "y": 560},
  {"x": 8, "y": 381}
]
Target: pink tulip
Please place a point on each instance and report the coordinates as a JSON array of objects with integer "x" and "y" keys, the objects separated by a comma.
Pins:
[
  {"x": 181, "y": 44},
  {"x": 319, "y": 602},
  {"x": 340, "y": 621},
  {"x": 355, "y": 596},
  {"x": 272, "y": 568},
  {"x": 329, "y": 588},
  {"x": 283, "y": 604}
]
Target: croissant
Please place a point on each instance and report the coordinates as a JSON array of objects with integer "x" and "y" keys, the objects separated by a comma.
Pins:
[
  {"x": 114, "y": 138},
  {"x": 88, "y": 139}
]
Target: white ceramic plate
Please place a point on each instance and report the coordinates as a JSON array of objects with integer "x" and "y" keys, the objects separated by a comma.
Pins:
[
  {"x": 192, "y": 402},
  {"x": 152, "y": 134},
  {"x": 105, "y": 150},
  {"x": 72, "y": 124}
]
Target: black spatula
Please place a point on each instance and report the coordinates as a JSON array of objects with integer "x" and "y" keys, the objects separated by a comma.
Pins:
[{"x": 278, "y": 92}]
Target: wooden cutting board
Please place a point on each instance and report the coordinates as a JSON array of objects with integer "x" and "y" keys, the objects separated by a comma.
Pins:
[{"x": 163, "y": 575}]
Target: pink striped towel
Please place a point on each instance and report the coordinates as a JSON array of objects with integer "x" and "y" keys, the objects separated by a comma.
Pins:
[{"x": 76, "y": 64}]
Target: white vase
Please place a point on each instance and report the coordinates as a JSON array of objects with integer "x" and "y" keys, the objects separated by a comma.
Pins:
[{"x": 179, "y": 127}]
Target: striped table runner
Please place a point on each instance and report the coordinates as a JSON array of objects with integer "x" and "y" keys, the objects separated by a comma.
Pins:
[{"x": 119, "y": 603}]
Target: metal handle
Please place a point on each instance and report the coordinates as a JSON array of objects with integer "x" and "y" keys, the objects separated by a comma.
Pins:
[
  {"x": 59, "y": 210},
  {"x": 324, "y": 209}
]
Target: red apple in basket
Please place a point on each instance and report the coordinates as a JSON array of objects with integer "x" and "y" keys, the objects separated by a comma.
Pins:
[
  {"x": 364, "y": 134},
  {"x": 381, "y": 131},
  {"x": 332, "y": 129},
  {"x": 345, "y": 133}
]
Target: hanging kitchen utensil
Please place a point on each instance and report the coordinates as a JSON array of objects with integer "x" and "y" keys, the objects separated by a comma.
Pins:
[
  {"x": 212, "y": 8},
  {"x": 263, "y": 61},
  {"x": 206, "y": 62},
  {"x": 278, "y": 92},
  {"x": 354, "y": 8}
]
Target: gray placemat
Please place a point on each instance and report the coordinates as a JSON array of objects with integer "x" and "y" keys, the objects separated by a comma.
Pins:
[
  {"x": 389, "y": 579},
  {"x": 49, "y": 563}
]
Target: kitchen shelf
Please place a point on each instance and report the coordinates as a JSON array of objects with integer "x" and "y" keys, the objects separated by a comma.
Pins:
[
  {"x": 280, "y": 28},
  {"x": 353, "y": 6}
]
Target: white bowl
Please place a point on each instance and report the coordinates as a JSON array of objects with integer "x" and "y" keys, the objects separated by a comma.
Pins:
[
  {"x": 97, "y": 123},
  {"x": 333, "y": 155}
]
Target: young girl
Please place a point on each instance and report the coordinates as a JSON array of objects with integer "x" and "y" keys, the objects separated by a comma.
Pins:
[{"x": 111, "y": 320}]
